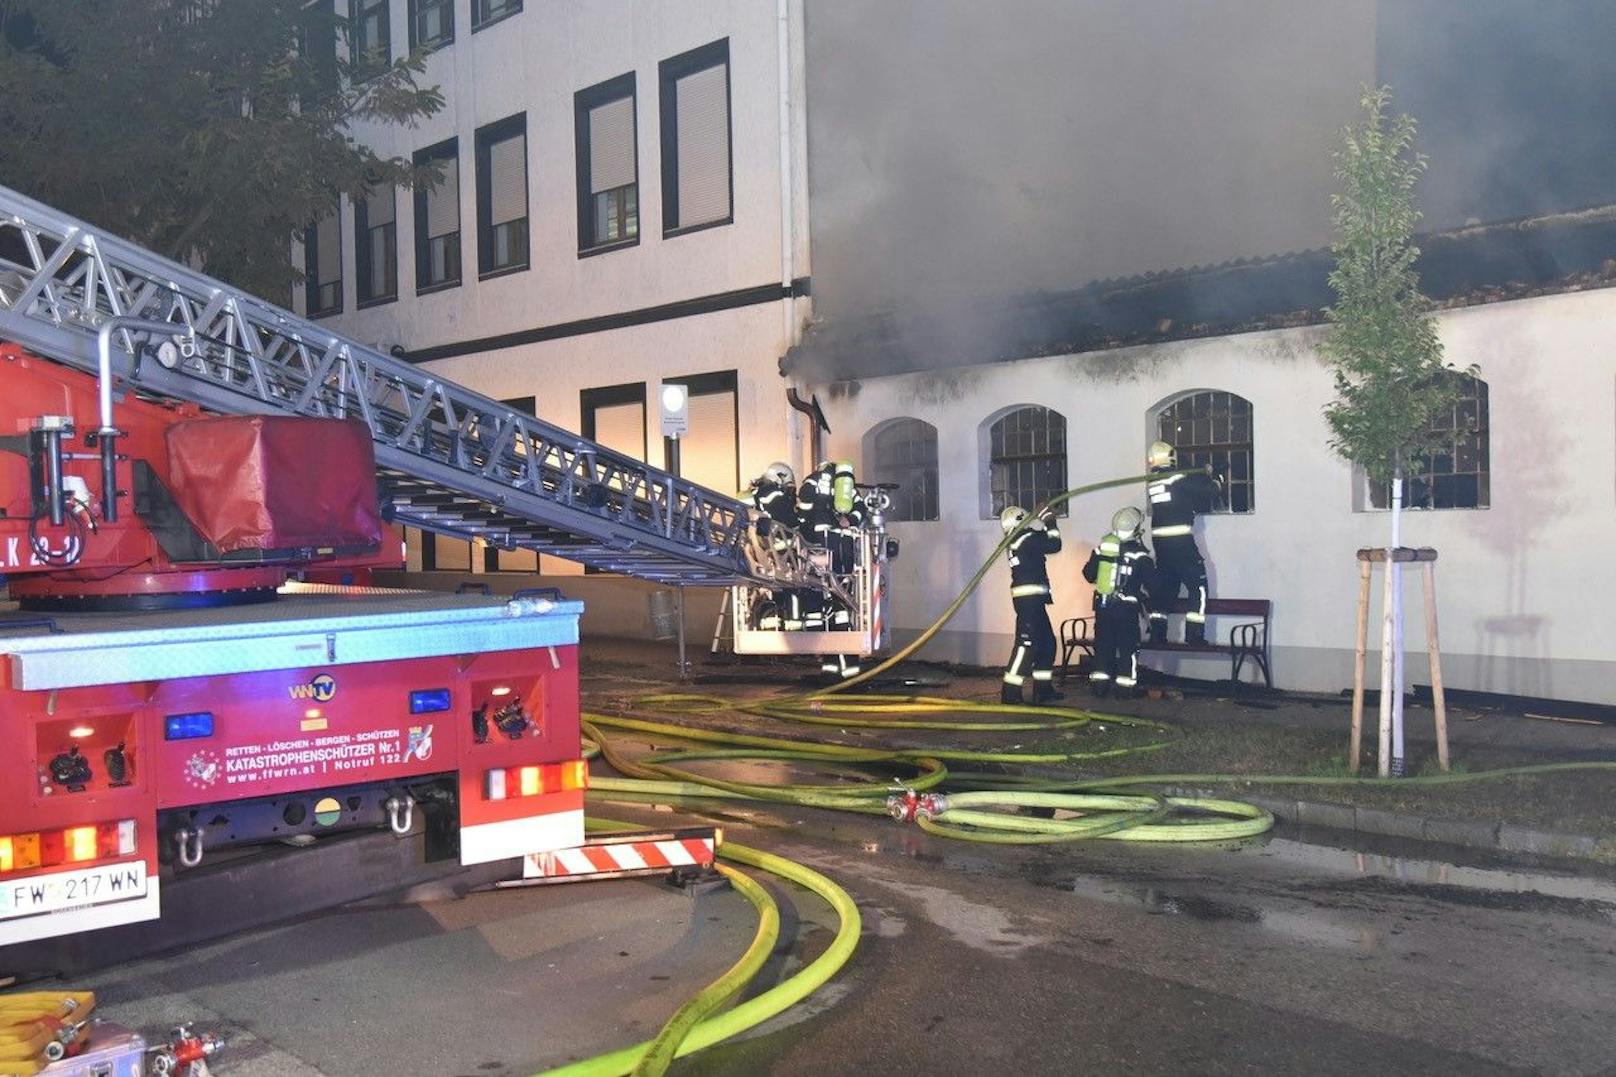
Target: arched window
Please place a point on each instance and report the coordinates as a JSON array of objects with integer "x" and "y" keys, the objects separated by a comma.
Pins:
[
  {"x": 904, "y": 451},
  {"x": 1455, "y": 475},
  {"x": 1213, "y": 429},
  {"x": 1026, "y": 458}
]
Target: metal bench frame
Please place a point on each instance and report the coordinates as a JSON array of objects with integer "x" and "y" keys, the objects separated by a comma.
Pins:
[{"x": 1247, "y": 640}]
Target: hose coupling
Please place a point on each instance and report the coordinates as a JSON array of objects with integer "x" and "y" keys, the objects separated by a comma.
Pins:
[{"x": 909, "y": 805}]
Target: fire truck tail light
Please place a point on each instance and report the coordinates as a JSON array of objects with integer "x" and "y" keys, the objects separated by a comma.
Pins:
[
  {"x": 188, "y": 726},
  {"x": 532, "y": 780},
  {"x": 575, "y": 775},
  {"x": 72, "y": 845},
  {"x": 80, "y": 843}
]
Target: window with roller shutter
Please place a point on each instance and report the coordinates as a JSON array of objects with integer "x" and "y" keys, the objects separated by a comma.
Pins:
[
  {"x": 431, "y": 23},
  {"x": 437, "y": 220},
  {"x": 502, "y": 221},
  {"x": 322, "y": 265},
  {"x": 487, "y": 12},
  {"x": 376, "y": 247},
  {"x": 369, "y": 37},
  {"x": 697, "y": 185},
  {"x": 607, "y": 166}
]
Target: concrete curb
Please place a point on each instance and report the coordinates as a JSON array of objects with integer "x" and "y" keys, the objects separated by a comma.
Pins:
[{"x": 1468, "y": 833}]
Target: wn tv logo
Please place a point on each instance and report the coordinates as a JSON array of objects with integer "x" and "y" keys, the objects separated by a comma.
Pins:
[{"x": 321, "y": 689}]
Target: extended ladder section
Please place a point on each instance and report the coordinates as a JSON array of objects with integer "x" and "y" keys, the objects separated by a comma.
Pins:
[{"x": 452, "y": 461}]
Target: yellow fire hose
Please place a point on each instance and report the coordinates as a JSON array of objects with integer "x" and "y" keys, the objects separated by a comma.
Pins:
[{"x": 1114, "y": 808}]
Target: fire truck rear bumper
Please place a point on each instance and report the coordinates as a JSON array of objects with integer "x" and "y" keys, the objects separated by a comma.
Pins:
[{"x": 484, "y": 842}]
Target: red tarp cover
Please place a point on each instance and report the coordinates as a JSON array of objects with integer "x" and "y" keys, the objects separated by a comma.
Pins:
[{"x": 271, "y": 482}]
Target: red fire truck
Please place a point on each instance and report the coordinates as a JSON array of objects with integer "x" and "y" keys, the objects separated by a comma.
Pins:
[
  {"x": 165, "y": 694},
  {"x": 177, "y": 461}
]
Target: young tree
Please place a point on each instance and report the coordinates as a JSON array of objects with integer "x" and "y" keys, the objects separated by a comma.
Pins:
[
  {"x": 211, "y": 131},
  {"x": 1390, "y": 377}
]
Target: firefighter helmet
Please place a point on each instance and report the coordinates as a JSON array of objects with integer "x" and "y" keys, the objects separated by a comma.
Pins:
[
  {"x": 1125, "y": 522},
  {"x": 1012, "y": 518},
  {"x": 1162, "y": 454},
  {"x": 780, "y": 474}
]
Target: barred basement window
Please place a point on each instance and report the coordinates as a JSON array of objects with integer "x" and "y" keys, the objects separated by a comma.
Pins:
[
  {"x": 322, "y": 265},
  {"x": 1456, "y": 476},
  {"x": 904, "y": 451},
  {"x": 1026, "y": 459},
  {"x": 607, "y": 165},
  {"x": 437, "y": 220},
  {"x": 1214, "y": 429}
]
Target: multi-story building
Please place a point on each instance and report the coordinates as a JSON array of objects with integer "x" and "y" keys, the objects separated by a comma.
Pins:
[
  {"x": 622, "y": 205},
  {"x": 1043, "y": 234}
]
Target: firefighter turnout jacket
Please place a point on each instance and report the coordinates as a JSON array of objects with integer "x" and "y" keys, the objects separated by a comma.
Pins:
[
  {"x": 777, "y": 502},
  {"x": 1176, "y": 499},
  {"x": 1029, "y": 575}
]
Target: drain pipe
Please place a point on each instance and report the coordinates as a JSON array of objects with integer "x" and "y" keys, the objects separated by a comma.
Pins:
[
  {"x": 788, "y": 249},
  {"x": 782, "y": 15}
]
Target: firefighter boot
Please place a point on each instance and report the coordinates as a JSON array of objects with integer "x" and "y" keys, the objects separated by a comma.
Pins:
[
  {"x": 1158, "y": 630},
  {"x": 1194, "y": 631},
  {"x": 1011, "y": 694},
  {"x": 1044, "y": 694}
]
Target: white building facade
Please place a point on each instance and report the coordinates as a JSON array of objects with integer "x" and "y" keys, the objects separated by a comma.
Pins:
[
  {"x": 622, "y": 205},
  {"x": 1525, "y": 598},
  {"x": 628, "y": 202}
]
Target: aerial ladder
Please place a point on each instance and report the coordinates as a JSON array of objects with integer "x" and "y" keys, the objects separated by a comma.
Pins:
[{"x": 168, "y": 687}]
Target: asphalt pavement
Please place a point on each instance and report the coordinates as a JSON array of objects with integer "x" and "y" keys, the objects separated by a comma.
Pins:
[
  {"x": 1298, "y": 953},
  {"x": 1302, "y": 952}
]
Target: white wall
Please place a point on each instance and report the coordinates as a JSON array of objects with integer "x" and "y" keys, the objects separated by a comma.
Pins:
[{"x": 1526, "y": 595}]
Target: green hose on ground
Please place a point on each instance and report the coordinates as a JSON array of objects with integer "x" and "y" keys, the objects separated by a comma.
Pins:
[{"x": 976, "y": 816}]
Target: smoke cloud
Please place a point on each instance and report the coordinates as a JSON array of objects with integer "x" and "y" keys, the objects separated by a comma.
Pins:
[{"x": 961, "y": 153}]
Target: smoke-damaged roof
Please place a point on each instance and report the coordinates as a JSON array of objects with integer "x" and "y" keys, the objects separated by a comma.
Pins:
[{"x": 1466, "y": 266}]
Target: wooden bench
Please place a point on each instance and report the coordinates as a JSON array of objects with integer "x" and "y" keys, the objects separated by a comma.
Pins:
[{"x": 1249, "y": 639}]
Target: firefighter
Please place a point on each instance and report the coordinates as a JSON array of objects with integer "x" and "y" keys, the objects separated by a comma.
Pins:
[
  {"x": 814, "y": 520},
  {"x": 1175, "y": 501},
  {"x": 1120, "y": 569},
  {"x": 774, "y": 495},
  {"x": 1029, "y": 593},
  {"x": 845, "y": 532}
]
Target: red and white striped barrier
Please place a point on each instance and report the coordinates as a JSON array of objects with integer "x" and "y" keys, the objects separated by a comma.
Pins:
[{"x": 647, "y": 855}]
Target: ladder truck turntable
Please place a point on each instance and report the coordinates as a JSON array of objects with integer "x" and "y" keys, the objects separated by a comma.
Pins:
[{"x": 177, "y": 459}]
